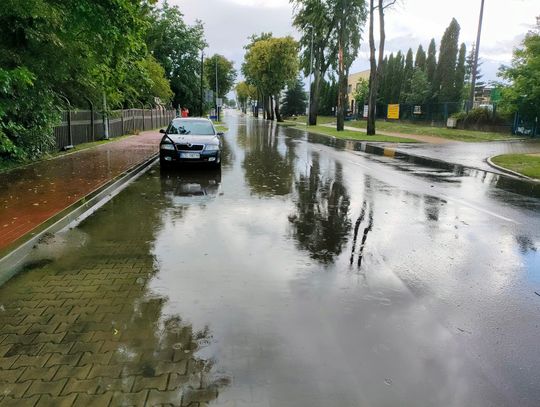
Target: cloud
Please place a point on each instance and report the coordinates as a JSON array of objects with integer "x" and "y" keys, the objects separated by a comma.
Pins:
[{"x": 228, "y": 24}]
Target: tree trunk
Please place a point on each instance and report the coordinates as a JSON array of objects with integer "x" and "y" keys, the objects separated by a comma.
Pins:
[
  {"x": 315, "y": 92},
  {"x": 268, "y": 108},
  {"x": 372, "y": 100},
  {"x": 375, "y": 73},
  {"x": 276, "y": 109}
]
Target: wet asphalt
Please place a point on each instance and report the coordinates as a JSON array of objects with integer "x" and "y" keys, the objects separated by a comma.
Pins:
[{"x": 315, "y": 275}]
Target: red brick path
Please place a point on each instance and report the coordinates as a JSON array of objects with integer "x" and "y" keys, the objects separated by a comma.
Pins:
[{"x": 31, "y": 195}]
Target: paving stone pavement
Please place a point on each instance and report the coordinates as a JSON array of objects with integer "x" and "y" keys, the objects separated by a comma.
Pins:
[{"x": 84, "y": 329}]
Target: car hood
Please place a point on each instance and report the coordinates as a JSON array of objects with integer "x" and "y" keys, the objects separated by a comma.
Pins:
[{"x": 193, "y": 139}]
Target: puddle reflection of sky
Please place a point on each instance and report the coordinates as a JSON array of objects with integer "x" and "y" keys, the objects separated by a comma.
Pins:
[{"x": 531, "y": 261}]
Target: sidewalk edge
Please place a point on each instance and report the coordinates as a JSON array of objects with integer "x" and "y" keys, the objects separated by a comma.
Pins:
[
  {"x": 506, "y": 170},
  {"x": 13, "y": 258}
]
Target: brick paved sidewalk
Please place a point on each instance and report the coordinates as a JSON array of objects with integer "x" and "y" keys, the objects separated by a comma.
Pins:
[
  {"x": 87, "y": 330},
  {"x": 32, "y": 194}
]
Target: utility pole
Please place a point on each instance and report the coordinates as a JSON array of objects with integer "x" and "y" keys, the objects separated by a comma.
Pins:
[
  {"x": 476, "y": 53},
  {"x": 202, "y": 84},
  {"x": 217, "y": 90},
  {"x": 105, "y": 118},
  {"x": 310, "y": 77}
]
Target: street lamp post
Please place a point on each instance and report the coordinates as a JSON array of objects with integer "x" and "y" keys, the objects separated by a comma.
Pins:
[
  {"x": 202, "y": 83},
  {"x": 476, "y": 53},
  {"x": 310, "y": 76}
]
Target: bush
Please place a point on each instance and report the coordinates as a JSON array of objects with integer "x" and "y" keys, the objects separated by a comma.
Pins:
[
  {"x": 481, "y": 116},
  {"x": 27, "y": 116}
]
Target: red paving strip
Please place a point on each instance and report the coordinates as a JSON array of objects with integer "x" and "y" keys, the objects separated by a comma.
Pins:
[{"x": 31, "y": 195}]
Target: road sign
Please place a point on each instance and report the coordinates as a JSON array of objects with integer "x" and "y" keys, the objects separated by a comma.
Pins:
[
  {"x": 393, "y": 112},
  {"x": 366, "y": 111},
  {"x": 219, "y": 102}
]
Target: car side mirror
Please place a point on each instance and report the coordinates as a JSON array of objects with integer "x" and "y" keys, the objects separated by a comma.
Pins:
[
  {"x": 162, "y": 131},
  {"x": 220, "y": 133}
]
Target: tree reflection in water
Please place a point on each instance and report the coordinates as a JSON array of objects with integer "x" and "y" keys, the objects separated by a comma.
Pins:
[
  {"x": 112, "y": 341},
  {"x": 269, "y": 165},
  {"x": 321, "y": 224}
]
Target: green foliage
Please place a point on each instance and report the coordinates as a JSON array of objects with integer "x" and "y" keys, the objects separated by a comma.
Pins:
[
  {"x": 523, "y": 93},
  {"x": 361, "y": 92},
  {"x": 79, "y": 49},
  {"x": 27, "y": 115},
  {"x": 328, "y": 98},
  {"x": 420, "y": 88},
  {"x": 325, "y": 24},
  {"x": 431, "y": 61},
  {"x": 177, "y": 47},
  {"x": 407, "y": 74},
  {"x": 459, "y": 81},
  {"x": 271, "y": 64},
  {"x": 226, "y": 74},
  {"x": 445, "y": 74},
  {"x": 295, "y": 101},
  {"x": 244, "y": 93},
  {"x": 420, "y": 60}
]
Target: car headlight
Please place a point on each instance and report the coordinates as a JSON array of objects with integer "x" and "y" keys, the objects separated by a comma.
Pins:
[
  {"x": 212, "y": 147},
  {"x": 167, "y": 146}
]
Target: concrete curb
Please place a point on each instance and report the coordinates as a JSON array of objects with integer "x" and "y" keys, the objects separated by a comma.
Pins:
[
  {"x": 506, "y": 170},
  {"x": 15, "y": 257}
]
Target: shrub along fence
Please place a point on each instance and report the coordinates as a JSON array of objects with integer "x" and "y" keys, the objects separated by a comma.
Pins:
[{"x": 85, "y": 126}]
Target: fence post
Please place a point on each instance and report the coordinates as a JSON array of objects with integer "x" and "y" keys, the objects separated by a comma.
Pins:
[
  {"x": 122, "y": 121},
  {"x": 143, "y": 118},
  {"x": 151, "y": 118},
  {"x": 70, "y": 134}
]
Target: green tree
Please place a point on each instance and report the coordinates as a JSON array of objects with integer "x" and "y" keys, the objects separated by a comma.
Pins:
[
  {"x": 75, "y": 48},
  {"x": 407, "y": 74},
  {"x": 331, "y": 37},
  {"x": 361, "y": 93},
  {"x": 397, "y": 78},
  {"x": 459, "y": 81},
  {"x": 295, "y": 100},
  {"x": 523, "y": 93},
  {"x": 444, "y": 79},
  {"x": 351, "y": 17},
  {"x": 328, "y": 97},
  {"x": 431, "y": 61},
  {"x": 244, "y": 93},
  {"x": 271, "y": 64},
  {"x": 317, "y": 21},
  {"x": 420, "y": 88},
  {"x": 420, "y": 59},
  {"x": 177, "y": 47},
  {"x": 226, "y": 74},
  {"x": 469, "y": 63},
  {"x": 375, "y": 63}
]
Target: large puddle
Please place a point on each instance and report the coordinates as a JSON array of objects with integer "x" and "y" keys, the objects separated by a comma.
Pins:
[{"x": 299, "y": 275}]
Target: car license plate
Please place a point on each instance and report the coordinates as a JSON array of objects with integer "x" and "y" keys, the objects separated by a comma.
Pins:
[{"x": 190, "y": 155}]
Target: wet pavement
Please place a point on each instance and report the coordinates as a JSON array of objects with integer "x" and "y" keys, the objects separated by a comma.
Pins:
[
  {"x": 32, "y": 194},
  {"x": 302, "y": 274},
  {"x": 473, "y": 155}
]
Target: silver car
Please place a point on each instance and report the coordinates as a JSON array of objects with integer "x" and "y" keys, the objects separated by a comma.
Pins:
[{"x": 190, "y": 141}]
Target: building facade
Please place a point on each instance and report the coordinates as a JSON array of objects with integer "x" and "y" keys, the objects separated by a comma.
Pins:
[{"x": 353, "y": 81}]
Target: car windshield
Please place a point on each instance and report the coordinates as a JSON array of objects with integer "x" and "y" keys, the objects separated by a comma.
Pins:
[{"x": 193, "y": 127}]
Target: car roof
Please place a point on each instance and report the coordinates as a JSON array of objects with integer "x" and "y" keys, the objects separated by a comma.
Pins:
[{"x": 191, "y": 119}]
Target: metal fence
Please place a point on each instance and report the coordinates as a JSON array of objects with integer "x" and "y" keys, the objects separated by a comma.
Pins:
[{"x": 84, "y": 126}]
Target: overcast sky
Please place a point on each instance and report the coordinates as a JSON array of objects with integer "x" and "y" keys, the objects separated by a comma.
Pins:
[{"x": 228, "y": 23}]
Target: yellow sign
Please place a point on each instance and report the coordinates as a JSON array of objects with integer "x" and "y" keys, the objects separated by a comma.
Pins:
[{"x": 393, "y": 112}]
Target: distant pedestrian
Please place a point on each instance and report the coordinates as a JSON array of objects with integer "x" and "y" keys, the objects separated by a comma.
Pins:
[{"x": 185, "y": 112}]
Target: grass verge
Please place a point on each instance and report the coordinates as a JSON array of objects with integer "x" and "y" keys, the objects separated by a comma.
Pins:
[
  {"x": 526, "y": 164},
  {"x": 423, "y": 130},
  {"x": 353, "y": 135}
]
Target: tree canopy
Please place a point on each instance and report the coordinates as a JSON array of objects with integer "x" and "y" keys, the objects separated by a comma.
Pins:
[{"x": 523, "y": 93}]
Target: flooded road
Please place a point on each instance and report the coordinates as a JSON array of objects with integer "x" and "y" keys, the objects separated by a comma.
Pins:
[{"x": 303, "y": 273}]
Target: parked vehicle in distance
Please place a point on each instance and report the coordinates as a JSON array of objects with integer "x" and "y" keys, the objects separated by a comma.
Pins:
[{"x": 190, "y": 141}]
